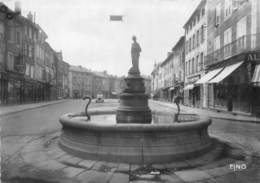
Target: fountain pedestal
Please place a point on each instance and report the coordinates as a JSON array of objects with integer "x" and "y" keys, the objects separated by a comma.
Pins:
[{"x": 133, "y": 106}]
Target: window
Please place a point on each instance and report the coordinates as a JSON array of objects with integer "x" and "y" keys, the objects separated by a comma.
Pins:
[
  {"x": 189, "y": 67},
  {"x": 228, "y": 8},
  {"x": 217, "y": 14},
  {"x": 203, "y": 12},
  {"x": 190, "y": 44},
  {"x": 227, "y": 36},
  {"x": 193, "y": 66},
  {"x": 197, "y": 64},
  {"x": 217, "y": 43},
  {"x": 202, "y": 34},
  {"x": 187, "y": 47},
  {"x": 241, "y": 27},
  {"x": 10, "y": 61},
  {"x": 18, "y": 38},
  {"x": 201, "y": 60},
  {"x": 32, "y": 71},
  {"x": 241, "y": 33},
  {"x": 194, "y": 41},
  {"x": 30, "y": 49},
  {"x": 186, "y": 69},
  {"x": 198, "y": 38},
  {"x": 27, "y": 69},
  {"x": 11, "y": 34}
]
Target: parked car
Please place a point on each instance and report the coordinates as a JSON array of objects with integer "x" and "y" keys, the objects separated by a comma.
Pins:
[{"x": 100, "y": 98}]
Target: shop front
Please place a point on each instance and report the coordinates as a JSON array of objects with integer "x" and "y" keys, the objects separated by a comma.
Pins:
[
  {"x": 234, "y": 86},
  {"x": 14, "y": 89},
  {"x": 193, "y": 93}
]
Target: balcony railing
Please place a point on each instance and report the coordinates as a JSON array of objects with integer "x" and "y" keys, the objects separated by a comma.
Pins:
[{"x": 240, "y": 45}]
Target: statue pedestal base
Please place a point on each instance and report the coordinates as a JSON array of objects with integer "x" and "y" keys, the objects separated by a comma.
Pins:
[{"x": 133, "y": 106}]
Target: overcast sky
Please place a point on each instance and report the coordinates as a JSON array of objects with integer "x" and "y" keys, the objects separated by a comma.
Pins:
[{"x": 82, "y": 30}]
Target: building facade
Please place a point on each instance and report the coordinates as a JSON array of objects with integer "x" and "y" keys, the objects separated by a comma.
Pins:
[
  {"x": 233, "y": 55},
  {"x": 28, "y": 64},
  {"x": 62, "y": 76},
  {"x": 80, "y": 82},
  {"x": 195, "y": 51},
  {"x": 167, "y": 78},
  {"x": 178, "y": 61}
]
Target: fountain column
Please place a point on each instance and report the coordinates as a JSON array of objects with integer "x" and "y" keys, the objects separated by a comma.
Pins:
[{"x": 133, "y": 106}]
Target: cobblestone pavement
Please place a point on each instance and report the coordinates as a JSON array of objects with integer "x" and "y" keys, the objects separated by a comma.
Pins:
[
  {"x": 39, "y": 159},
  {"x": 28, "y": 158}
]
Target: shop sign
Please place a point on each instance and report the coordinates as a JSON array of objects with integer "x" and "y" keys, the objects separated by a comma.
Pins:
[{"x": 255, "y": 56}]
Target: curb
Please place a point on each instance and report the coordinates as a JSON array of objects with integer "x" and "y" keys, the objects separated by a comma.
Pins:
[{"x": 30, "y": 108}]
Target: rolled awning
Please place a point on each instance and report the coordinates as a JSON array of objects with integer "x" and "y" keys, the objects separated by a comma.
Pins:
[
  {"x": 225, "y": 72},
  {"x": 209, "y": 76},
  {"x": 256, "y": 77},
  {"x": 188, "y": 87}
]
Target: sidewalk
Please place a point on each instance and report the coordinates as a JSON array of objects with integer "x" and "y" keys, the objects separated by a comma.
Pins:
[
  {"x": 10, "y": 109},
  {"x": 213, "y": 113}
]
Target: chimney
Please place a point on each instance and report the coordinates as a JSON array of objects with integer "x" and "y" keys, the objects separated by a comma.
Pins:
[
  {"x": 30, "y": 16},
  {"x": 17, "y": 7}
]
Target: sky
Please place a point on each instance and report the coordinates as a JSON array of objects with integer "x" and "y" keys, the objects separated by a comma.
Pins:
[{"x": 82, "y": 30}]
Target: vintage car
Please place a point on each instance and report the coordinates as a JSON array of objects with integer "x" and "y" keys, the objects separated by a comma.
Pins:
[{"x": 100, "y": 98}]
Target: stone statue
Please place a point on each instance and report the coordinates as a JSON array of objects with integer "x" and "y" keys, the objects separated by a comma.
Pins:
[{"x": 135, "y": 53}]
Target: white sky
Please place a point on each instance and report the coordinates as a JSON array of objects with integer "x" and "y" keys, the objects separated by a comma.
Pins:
[{"x": 82, "y": 30}]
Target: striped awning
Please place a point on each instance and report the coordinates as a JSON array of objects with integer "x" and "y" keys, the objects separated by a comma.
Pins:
[
  {"x": 256, "y": 76},
  {"x": 211, "y": 74},
  {"x": 225, "y": 72}
]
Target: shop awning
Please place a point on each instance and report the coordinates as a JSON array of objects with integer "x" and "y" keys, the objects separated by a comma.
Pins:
[
  {"x": 188, "y": 87},
  {"x": 256, "y": 76},
  {"x": 225, "y": 72},
  {"x": 209, "y": 76}
]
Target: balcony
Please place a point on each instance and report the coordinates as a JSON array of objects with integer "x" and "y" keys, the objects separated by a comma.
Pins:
[{"x": 242, "y": 44}]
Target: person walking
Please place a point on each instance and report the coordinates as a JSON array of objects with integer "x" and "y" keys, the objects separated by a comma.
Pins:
[{"x": 177, "y": 100}]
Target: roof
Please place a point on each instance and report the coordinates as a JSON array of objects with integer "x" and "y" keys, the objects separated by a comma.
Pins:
[
  {"x": 167, "y": 59},
  {"x": 201, "y": 4},
  {"x": 100, "y": 74},
  {"x": 79, "y": 69},
  {"x": 179, "y": 44}
]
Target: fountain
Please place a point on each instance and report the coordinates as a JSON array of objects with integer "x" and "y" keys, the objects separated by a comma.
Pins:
[{"x": 133, "y": 133}]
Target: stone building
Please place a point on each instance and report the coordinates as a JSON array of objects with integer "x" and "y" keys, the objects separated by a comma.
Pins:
[
  {"x": 28, "y": 64},
  {"x": 195, "y": 51},
  {"x": 12, "y": 71},
  {"x": 101, "y": 84},
  {"x": 178, "y": 63},
  {"x": 62, "y": 76},
  {"x": 80, "y": 82},
  {"x": 168, "y": 77},
  {"x": 233, "y": 60},
  {"x": 115, "y": 86}
]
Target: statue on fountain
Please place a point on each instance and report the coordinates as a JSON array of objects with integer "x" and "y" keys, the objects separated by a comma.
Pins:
[{"x": 135, "y": 54}]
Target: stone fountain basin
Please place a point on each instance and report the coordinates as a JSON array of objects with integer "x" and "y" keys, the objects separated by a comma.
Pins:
[{"x": 135, "y": 143}]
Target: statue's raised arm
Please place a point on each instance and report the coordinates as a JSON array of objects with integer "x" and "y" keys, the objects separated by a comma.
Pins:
[{"x": 135, "y": 53}]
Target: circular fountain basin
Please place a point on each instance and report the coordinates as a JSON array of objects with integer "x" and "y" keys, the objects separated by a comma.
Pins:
[{"x": 162, "y": 141}]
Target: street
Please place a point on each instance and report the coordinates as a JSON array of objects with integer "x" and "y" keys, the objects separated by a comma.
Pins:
[{"x": 43, "y": 120}]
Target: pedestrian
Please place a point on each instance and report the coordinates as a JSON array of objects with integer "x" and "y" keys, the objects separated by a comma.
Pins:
[{"x": 177, "y": 100}]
